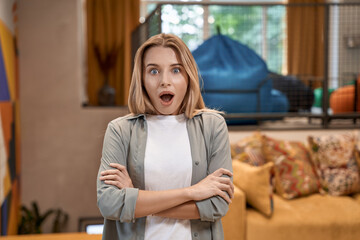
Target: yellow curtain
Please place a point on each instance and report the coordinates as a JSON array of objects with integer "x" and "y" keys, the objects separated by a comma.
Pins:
[
  {"x": 109, "y": 27},
  {"x": 305, "y": 39}
]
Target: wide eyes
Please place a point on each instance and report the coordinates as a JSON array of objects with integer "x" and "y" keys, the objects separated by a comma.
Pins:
[
  {"x": 176, "y": 70},
  {"x": 155, "y": 71}
]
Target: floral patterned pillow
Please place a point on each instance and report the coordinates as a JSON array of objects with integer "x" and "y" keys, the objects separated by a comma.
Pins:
[
  {"x": 249, "y": 150},
  {"x": 335, "y": 159},
  {"x": 295, "y": 175}
]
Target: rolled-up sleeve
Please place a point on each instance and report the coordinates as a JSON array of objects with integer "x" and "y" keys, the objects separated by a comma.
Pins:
[
  {"x": 214, "y": 208},
  {"x": 115, "y": 203}
]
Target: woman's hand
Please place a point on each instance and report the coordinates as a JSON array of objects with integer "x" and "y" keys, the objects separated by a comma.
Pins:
[
  {"x": 213, "y": 185},
  {"x": 118, "y": 177}
]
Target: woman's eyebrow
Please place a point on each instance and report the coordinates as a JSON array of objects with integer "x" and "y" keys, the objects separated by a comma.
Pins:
[
  {"x": 157, "y": 65},
  {"x": 152, "y": 65},
  {"x": 176, "y": 64}
]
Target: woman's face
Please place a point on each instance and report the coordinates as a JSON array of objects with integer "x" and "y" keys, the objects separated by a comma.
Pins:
[{"x": 165, "y": 79}]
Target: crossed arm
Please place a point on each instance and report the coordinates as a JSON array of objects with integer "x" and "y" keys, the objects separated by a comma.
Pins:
[{"x": 176, "y": 203}]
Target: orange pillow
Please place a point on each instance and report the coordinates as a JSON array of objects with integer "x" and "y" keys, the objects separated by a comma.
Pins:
[
  {"x": 256, "y": 184},
  {"x": 342, "y": 99}
]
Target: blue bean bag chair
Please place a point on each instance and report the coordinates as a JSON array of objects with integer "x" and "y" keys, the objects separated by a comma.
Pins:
[{"x": 235, "y": 77}]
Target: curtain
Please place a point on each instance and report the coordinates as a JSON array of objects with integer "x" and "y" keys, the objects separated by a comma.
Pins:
[
  {"x": 109, "y": 27},
  {"x": 305, "y": 39}
]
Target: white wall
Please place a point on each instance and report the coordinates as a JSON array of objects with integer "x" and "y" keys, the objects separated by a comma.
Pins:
[{"x": 61, "y": 141}]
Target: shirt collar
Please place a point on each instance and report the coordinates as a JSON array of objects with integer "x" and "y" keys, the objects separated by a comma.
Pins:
[{"x": 142, "y": 115}]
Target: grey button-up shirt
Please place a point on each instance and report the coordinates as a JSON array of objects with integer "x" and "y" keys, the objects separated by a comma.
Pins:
[{"x": 124, "y": 143}]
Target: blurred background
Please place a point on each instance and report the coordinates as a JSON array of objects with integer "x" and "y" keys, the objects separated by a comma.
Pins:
[{"x": 65, "y": 70}]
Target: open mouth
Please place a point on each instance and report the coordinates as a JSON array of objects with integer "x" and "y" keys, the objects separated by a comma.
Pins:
[{"x": 166, "y": 97}]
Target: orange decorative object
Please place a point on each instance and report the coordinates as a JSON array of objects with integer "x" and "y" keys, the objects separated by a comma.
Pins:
[{"x": 342, "y": 99}]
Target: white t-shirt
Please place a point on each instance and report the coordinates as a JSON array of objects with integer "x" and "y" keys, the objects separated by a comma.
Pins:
[{"x": 167, "y": 165}]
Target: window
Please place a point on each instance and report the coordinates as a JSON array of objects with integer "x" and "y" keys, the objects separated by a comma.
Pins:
[{"x": 260, "y": 27}]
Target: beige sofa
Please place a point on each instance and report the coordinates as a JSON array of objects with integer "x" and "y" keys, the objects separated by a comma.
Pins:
[{"x": 314, "y": 217}]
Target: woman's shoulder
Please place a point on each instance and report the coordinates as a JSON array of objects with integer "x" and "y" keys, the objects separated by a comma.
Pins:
[
  {"x": 213, "y": 124},
  {"x": 124, "y": 121},
  {"x": 212, "y": 116}
]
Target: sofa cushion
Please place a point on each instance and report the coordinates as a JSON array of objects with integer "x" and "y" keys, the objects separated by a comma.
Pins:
[
  {"x": 255, "y": 182},
  {"x": 320, "y": 217},
  {"x": 294, "y": 172},
  {"x": 234, "y": 221},
  {"x": 335, "y": 160}
]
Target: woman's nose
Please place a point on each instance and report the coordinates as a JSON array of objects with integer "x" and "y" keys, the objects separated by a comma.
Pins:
[{"x": 165, "y": 80}]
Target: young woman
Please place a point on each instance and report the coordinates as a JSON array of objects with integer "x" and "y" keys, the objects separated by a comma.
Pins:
[{"x": 165, "y": 170}]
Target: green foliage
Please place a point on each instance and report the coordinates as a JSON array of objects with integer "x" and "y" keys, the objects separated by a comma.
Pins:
[
  {"x": 32, "y": 220},
  {"x": 240, "y": 23},
  {"x": 60, "y": 221}
]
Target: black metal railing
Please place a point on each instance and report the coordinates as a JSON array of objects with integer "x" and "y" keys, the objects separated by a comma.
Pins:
[{"x": 341, "y": 51}]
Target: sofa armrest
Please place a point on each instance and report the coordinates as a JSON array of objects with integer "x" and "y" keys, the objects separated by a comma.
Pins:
[{"x": 234, "y": 221}]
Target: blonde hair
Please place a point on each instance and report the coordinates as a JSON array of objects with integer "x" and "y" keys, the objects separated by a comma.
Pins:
[{"x": 139, "y": 101}]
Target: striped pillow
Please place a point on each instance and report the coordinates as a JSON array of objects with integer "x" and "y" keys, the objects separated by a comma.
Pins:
[{"x": 295, "y": 175}]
